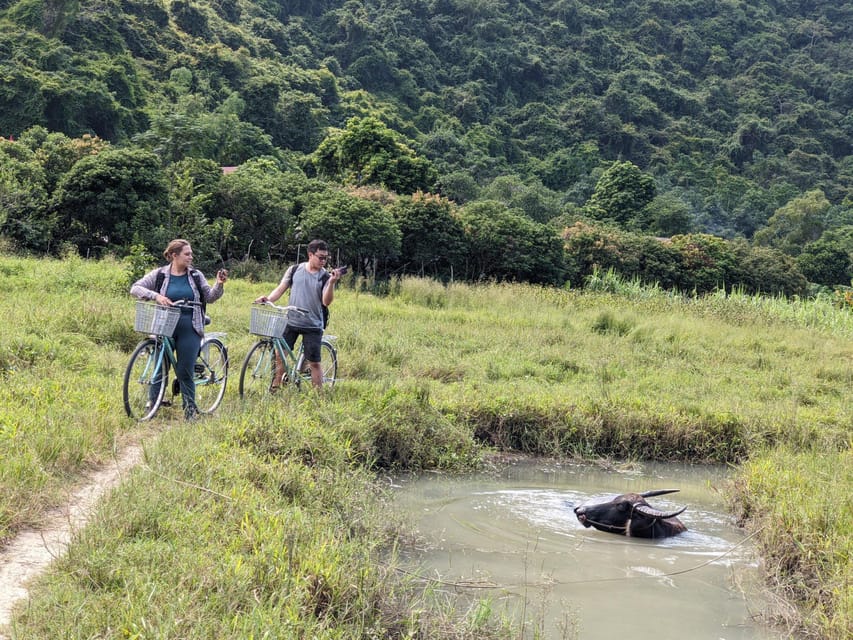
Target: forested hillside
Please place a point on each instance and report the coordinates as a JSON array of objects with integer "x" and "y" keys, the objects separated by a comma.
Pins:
[{"x": 663, "y": 118}]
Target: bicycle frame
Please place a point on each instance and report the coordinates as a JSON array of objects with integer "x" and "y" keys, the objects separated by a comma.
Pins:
[
  {"x": 165, "y": 346},
  {"x": 146, "y": 377},
  {"x": 283, "y": 351},
  {"x": 272, "y": 363},
  {"x": 290, "y": 362}
]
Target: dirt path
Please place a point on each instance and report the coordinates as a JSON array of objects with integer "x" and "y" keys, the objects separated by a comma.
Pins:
[{"x": 29, "y": 553}]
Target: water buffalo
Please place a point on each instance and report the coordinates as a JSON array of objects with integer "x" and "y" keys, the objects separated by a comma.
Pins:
[{"x": 631, "y": 515}]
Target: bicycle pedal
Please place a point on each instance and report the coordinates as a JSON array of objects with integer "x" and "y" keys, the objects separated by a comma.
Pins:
[
  {"x": 199, "y": 369},
  {"x": 176, "y": 387}
]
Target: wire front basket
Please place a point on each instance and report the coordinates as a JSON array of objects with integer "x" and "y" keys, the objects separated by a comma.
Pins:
[
  {"x": 152, "y": 318},
  {"x": 268, "y": 321}
]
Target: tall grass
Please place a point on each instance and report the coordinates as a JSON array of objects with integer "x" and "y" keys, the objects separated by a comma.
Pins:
[
  {"x": 807, "y": 543},
  {"x": 269, "y": 516},
  {"x": 61, "y": 357},
  {"x": 562, "y": 372}
]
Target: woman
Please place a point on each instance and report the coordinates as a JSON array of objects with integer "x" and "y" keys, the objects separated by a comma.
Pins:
[{"x": 179, "y": 281}]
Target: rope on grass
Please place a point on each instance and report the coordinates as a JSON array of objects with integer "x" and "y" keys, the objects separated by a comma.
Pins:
[{"x": 188, "y": 484}]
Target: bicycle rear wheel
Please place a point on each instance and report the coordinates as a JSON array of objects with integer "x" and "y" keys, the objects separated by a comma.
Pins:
[
  {"x": 256, "y": 375},
  {"x": 145, "y": 380},
  {"x": 210, "y": 375},
  {"x": 328, "y": 362}
]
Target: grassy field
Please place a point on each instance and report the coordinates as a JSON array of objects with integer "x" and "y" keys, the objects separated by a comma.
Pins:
[{"x": 268, "y": 519}]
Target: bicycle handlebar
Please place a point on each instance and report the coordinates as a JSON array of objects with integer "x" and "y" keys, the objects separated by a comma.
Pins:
[{"x": 285, "y": 308}]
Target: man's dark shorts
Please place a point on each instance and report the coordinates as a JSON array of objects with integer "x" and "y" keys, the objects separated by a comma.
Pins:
[{"x": 311, "y": 339}]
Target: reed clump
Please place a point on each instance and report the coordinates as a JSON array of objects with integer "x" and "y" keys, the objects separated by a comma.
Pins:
[{"x": 807, "y": 545}]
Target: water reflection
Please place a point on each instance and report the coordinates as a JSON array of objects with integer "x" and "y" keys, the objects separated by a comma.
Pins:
[{"x": 513, "y": 535}]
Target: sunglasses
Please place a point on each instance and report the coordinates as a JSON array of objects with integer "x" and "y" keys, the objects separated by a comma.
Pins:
[{"x": 323, "y": 258}]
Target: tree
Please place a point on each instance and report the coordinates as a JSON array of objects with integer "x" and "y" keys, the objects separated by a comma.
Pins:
[
  {"x": 30, "y": 169},
  {"x": 795, "y": 224},
  {"x": 258, "y": 199},
  {"x": 107, "y": 199},
  {"x": 360, "y": 231},
  {"x": 767, "y": 271},
  {"x": 301, "y": 118},
  {"x": 459, "y": 186},
  {"x": 23, "y": 197},
  {"x": 667, "y": 215},
  {"x": 737, "y": 108},
  {"x": 536, "y": 201},
  {"x": 621, "y": 194},
  {"x": 191, "y": 19},
  {"x": 186, "y": 129},
  {"x": 539, "y": 128},
  {"x": 650, "y": 260},
  {"x": 709, "y": 262},
  {"x": 432, "y": 239},
  {"x": 564, "y": 167},
  {"x": 368, "y": 152},
  {"x": 590, "y": 247},
  {"x": 829, "y": 259},
  {"x": 504, "y": 244},
  {"x": 175, "y": 131},
  {"x": 193, "y": 184},
  {"x": 57, "y": 153}
]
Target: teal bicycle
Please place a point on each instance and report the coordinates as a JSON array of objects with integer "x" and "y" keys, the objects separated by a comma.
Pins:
[
  {"x": 147, "y": 376},
  {"x": 271, "y": 363}
]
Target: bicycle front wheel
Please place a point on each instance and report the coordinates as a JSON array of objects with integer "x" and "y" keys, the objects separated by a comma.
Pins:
[
  {"x": 328, "y": 363},
  {"x": 145, "y": 380},
  {"x": 210, "y": 375},
  {"x": 256, "y": 376}
]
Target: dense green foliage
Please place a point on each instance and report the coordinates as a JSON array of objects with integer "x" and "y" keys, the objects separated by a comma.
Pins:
[{"x": 730, "y": 119}]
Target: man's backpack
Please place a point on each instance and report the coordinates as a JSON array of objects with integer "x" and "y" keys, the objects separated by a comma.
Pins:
[
  {"x": 289, "y": 276},
  {"x": 197, "y": 277}
]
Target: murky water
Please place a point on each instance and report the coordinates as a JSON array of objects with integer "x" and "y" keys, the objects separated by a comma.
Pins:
[{"x": 512, "y": 536}]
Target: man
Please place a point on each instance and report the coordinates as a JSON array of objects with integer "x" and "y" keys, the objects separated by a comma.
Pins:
[{"x": 311, "y": 288}]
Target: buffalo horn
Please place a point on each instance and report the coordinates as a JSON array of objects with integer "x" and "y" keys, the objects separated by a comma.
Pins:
[
  {"x": 659, "y": 492},
  {"x": 654, "y": 513}
]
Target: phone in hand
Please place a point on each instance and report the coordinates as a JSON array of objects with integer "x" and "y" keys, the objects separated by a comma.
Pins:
[{"x": 342, "y": 270}]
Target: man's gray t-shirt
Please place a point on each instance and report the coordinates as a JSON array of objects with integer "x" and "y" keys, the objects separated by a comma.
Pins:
[{"x": 306, "y": 292}]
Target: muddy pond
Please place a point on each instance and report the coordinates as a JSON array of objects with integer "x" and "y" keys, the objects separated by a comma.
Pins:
[{"x": 510, "y": 536}]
